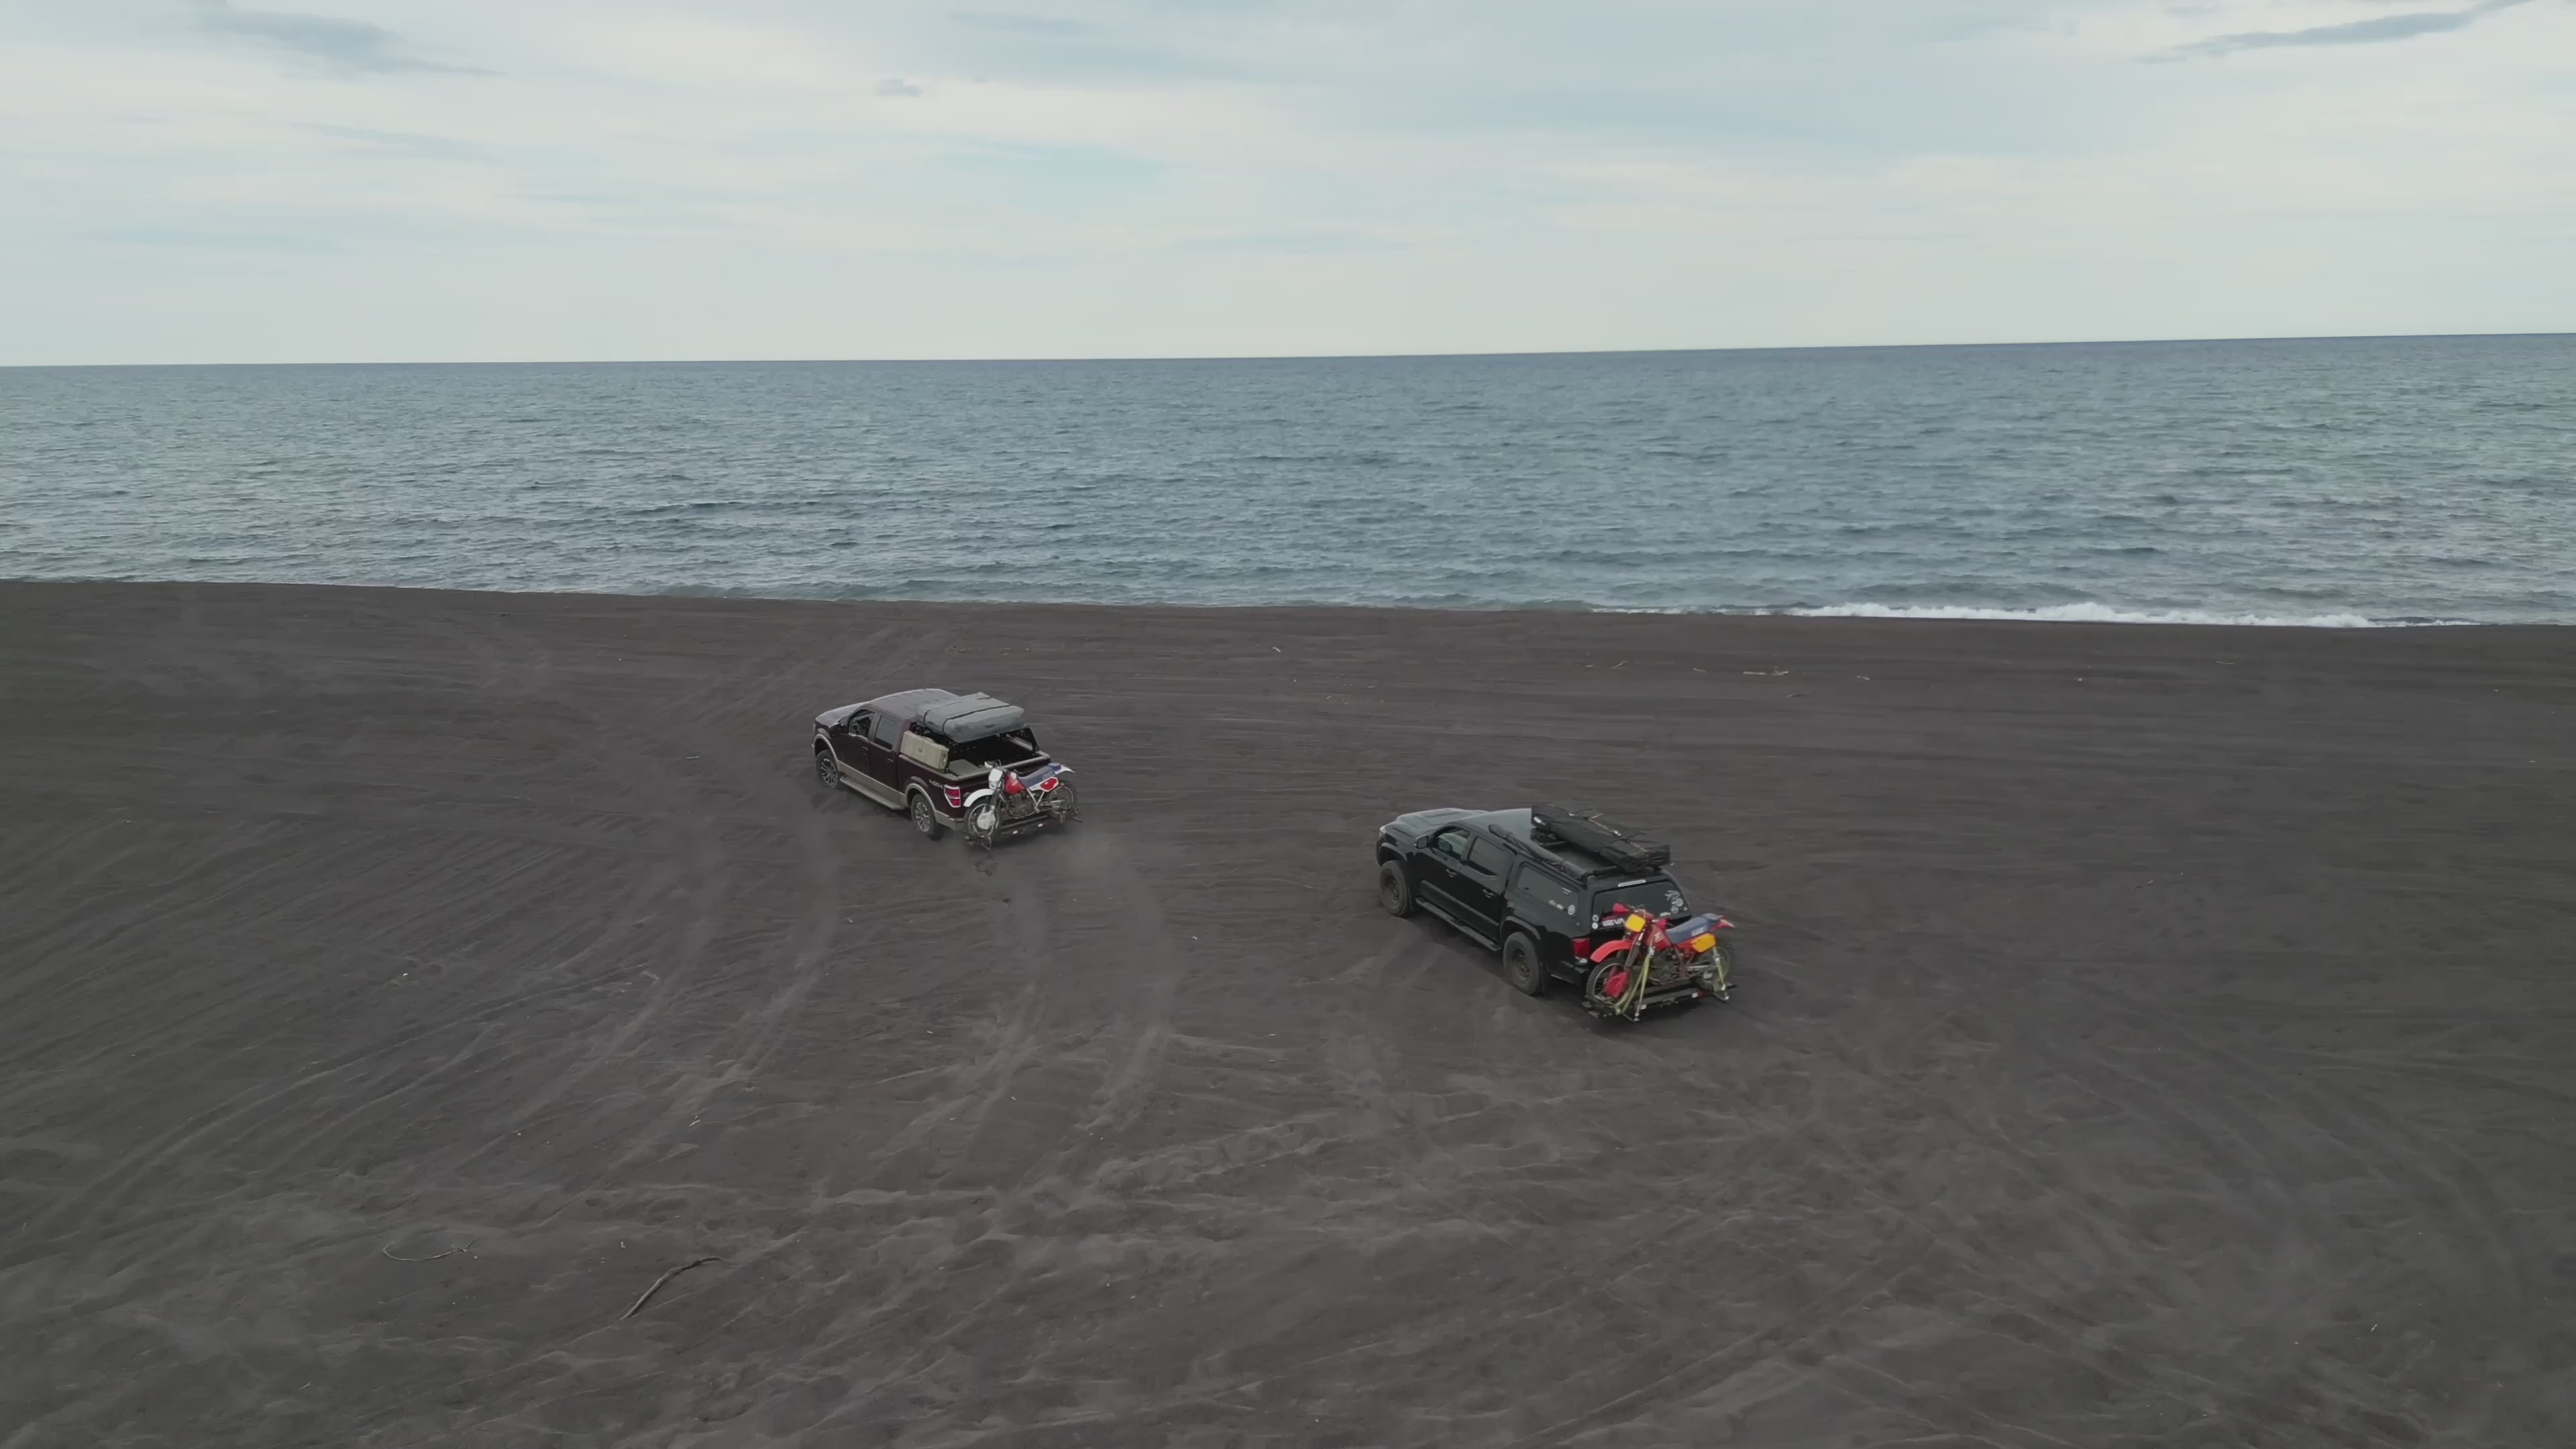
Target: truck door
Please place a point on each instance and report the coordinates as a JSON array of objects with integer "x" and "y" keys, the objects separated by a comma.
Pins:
[
  {"x": 845, "y": 739},
  {"x": 1435, "y": 871},
  {"x": 1546, "y": 905},
  {"x": 1479, "y": 887},
  {"x": 872, "y": 756}
]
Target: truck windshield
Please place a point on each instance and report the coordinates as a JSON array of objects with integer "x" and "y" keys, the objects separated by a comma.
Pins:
[{"x": 1655, "y": 895}]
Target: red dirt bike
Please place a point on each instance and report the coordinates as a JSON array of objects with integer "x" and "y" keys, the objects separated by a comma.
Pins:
[{"x": 1652, "y": 963}]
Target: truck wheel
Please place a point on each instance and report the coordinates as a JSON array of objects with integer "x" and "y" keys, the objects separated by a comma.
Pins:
[
  {"x": 825, "y": 770},
  {"x": 923, "y": 818},
  {"x": 1394, "y": 888},
  {"x": 1521, "y": 965}
]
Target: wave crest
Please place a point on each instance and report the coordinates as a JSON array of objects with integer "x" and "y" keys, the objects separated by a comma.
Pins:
[{"x": 2092, "y": 613}]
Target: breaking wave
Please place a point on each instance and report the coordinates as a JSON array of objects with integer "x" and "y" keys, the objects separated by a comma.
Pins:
[{"x": 2090, "y": 613}]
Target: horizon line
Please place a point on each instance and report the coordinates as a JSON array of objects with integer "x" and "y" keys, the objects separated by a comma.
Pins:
[{"x": 1070, "y": 360}]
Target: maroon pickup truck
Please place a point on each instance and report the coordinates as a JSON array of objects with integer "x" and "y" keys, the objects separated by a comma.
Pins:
[{"x": 966, "y": 762}]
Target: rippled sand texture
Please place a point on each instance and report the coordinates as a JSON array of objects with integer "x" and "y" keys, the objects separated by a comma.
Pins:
[{"x": 2148, "y": 1036}]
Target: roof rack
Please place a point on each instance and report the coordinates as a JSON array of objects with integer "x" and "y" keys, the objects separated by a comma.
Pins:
[{"x": 1589, "y": 831}]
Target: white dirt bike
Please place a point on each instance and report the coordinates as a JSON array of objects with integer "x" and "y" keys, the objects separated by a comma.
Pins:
[{"x": 1014, "y": 804}]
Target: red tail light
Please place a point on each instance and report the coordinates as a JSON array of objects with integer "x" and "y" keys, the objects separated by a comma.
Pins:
[
  {"x": 1724, "y": 924},
  {"x": 956, "y": 797},
  {"x": 1582, "y": 945}
]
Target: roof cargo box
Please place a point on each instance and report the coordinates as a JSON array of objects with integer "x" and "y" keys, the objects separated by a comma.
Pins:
[
  {"x": 973, "y": 717},
  {"x": 1586, "y": 830}
]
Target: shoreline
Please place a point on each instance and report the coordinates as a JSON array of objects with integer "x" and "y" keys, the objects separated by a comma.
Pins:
[{"x": 2086, "y": 613}]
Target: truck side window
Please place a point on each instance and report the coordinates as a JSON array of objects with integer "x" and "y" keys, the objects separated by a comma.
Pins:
[
  {"x": 1485, "y": 855},
  {"x": 1539, "y": 896},
  {"x": 1451, "y": 843},
  {"x": 887, "y": 728}
]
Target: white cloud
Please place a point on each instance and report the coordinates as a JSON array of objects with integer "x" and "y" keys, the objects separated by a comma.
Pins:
[{"x": 392, "y": 180}]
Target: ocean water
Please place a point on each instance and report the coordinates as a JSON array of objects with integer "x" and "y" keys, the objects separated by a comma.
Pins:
[{"x": 2323, "y": 482}]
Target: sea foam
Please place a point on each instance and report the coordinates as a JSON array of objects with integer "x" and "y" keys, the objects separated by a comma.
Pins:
[{"x": 2093, "y": 613}]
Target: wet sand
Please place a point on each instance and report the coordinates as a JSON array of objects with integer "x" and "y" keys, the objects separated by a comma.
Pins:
[{"x": 2147, "y": 1035}]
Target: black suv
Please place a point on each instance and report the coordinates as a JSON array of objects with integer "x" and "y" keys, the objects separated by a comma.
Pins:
[{"x": 1513, "y": 880}]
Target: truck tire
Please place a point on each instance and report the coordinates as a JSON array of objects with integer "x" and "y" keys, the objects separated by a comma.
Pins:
[
  {"x": 924, "y": 819},
  {"x": 825, "y": 770},
  {"x": 1521, "y": 965},
  {"x": 1395, "y": 888}
]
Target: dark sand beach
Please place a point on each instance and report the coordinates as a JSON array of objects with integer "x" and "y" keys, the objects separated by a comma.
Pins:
[{"x": 2148, "y": 1036}]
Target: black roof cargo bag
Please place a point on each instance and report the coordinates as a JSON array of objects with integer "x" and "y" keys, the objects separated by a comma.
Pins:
[
  {"x": 1587, "y": 831},
  {"x": 972, "y": 717}
]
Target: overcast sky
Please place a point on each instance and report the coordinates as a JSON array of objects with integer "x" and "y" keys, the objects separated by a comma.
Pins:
[{"x": 189, "y": 180}]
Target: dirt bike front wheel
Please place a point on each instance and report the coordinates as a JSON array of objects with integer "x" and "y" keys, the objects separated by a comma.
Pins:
[{"x": 1615, "y": 986}]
